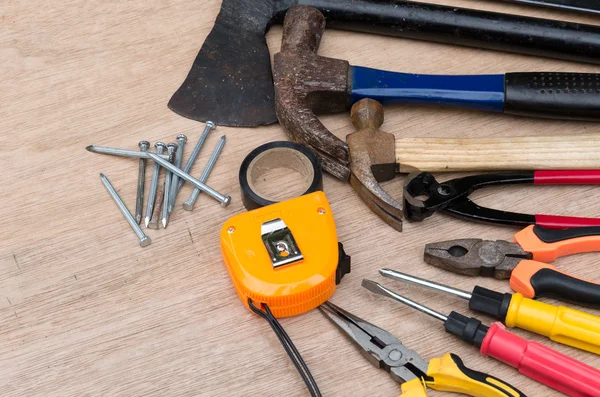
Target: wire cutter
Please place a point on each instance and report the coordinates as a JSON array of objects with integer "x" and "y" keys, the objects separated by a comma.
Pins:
[
  {"x": 446, "y": 373},
  {"x": 452, "y": 197},
  {"x": 524, "y": 261}
]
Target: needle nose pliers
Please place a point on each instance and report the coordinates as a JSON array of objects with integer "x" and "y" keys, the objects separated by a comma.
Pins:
[
  {"x": 524, "y": 261},
  {"x": 385, "y": 351},
  {"x": 452, "y": 197}
]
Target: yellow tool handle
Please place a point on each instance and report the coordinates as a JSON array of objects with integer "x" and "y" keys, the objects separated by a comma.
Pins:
[
  {"x": 448, "y": 373},
  {"x": 498, "y": 153},
  {"x": 561, "y": 324},
  {"x": 414, "y": 388}
]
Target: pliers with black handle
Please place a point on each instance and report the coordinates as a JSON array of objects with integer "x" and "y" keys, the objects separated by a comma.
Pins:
[
  {"x": 452, "y": 197},
  {"x": 524, "y": 261},
  {"x": 385, "y": 351}
]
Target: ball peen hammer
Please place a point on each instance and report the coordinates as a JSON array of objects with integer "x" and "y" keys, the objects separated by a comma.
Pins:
[
  {"x": 306, "y": 84},
  {"x": 376, "y": 156}
]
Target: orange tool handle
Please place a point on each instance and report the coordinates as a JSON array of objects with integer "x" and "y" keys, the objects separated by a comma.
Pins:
[
  {"x": 534, "y": 279},
  {"x": 546, "y": 245}
]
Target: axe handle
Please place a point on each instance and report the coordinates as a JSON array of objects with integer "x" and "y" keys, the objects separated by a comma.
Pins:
[
  {"x": 499, "y": 154},
  {"x": 463, "y": 26}
]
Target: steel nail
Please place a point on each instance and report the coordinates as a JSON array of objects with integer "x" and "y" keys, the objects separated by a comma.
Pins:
[
  {"x": 181, "y": 140},
  {"x": 139, "y": 202},
  {"x": 224, "y": 200},
  {"x": 194, "y": 155},
  {"x": 121, "y": 152},
  {"x": 172, "y": 148},
  {"x": 144, "y": 240},
  {"x": 160, "y": 194},
  {"x": 160, "y": 147},
  {"x": 189, "y": 204}
]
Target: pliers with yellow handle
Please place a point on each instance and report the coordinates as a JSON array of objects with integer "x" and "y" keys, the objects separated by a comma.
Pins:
[{"x": 385, "y": 351}]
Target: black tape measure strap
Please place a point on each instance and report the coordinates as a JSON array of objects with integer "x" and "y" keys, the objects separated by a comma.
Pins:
[{"x": 281, "y": 154}]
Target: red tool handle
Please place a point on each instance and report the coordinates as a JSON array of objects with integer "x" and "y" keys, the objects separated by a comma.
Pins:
[
  {"x": 570, "y": 177},
  {"x": 541, "y": 363},
  {"x": 564, "y": 222}
]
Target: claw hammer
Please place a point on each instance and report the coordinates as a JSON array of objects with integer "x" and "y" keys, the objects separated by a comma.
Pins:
[{"x": 376, "y": 156}]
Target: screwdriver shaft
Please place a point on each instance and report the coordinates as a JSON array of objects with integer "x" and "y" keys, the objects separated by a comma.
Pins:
[
  {"x": 425, "y": 283},
  {"x": 381, "y": 290}
]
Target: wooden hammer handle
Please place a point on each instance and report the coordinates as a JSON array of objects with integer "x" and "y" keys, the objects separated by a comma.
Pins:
[{"x": 499, "y": 154}]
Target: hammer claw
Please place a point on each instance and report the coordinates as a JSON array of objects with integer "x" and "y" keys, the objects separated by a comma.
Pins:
[
  {"x": 373, "y": 160},
  {"x": 377, "y": 199}
]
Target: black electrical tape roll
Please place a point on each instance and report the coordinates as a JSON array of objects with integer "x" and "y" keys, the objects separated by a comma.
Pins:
[{"x": 281, "y": 154}]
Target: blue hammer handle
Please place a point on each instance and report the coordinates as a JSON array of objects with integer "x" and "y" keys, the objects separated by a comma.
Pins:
[{"x": 549, "y": 95}]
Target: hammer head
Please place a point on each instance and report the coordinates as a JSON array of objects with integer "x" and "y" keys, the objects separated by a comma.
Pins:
[
  {"x": 373, "y": 160},
  {"x": 306, "y": 83}
]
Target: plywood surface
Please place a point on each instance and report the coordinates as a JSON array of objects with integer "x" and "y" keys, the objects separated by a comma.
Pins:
[{"x": 84, "y": 311}]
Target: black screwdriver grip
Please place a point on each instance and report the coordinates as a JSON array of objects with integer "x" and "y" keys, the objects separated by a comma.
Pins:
[
  {"x": 551, "y": 283},
  {"x": 553, "y": 95}
]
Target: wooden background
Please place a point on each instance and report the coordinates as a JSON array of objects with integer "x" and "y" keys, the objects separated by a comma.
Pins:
[{"x": 84, "y": 311}]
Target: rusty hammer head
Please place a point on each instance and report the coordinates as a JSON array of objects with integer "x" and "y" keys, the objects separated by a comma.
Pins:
[
  {"x": 306, "y": 83},
  {"x": 373, "y": 160}
]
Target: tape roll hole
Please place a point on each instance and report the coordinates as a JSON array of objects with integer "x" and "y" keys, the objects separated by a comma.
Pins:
[{"x": 280, "y": 174}]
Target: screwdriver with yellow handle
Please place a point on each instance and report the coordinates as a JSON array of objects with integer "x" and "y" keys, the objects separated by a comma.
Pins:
[
  {"x": 561, "y": 324},
  {"x": 447, "y": 373}
]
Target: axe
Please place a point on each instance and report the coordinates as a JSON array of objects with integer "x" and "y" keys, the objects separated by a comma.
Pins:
[
  {"x": 230, "y": 81},
  {"x": 306, "y": 83}
]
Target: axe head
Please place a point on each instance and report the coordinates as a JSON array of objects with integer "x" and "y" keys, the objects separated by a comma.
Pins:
[{"x": 235, "y": 54}]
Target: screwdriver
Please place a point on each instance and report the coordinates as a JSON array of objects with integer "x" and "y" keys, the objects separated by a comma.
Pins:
[
  {"x": 532, "y": 359},
  {"x": 561, "y": 324}
]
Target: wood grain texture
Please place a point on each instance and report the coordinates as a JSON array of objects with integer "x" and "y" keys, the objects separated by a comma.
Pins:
[
  {"x": 498, "y": 153},
  {"x": 84, "y": 311}
]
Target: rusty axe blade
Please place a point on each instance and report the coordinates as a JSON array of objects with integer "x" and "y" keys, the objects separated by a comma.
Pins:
[{"x": 230, "y": 82}]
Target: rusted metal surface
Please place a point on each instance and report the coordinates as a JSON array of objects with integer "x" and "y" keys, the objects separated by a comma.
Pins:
[
  {"x": 476, "y": 257},
  {"x": 306, "y": 83},
  {"x": 373, "y": 160},
  {"x": 230, "y": 81}
]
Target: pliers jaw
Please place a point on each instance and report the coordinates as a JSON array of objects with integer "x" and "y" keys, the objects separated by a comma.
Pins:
[
  {"x": 423, "y": 184},
  {"x": 380, "y": 347},
  {"x": 476, "y": 257}
]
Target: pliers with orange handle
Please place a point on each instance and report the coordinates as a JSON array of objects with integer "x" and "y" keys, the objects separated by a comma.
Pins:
[
  {"x": 385, "y": 351},
  {"x": 524, "y": 261}
]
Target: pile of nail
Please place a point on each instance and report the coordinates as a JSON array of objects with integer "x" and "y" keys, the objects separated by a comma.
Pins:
[{"x": 161, "y": 199}]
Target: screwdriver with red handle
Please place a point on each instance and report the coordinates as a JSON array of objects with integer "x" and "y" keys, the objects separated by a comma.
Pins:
[{"x": 532, "y": 359}]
